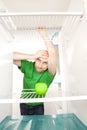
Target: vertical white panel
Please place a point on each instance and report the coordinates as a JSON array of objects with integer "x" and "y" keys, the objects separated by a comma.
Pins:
[
  {"x": 76, "y": 69},
  {"x": 5, "y": 72},
  {"x": 5, "y": 75}
]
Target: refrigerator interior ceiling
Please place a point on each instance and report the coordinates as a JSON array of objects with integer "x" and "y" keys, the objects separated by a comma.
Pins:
[{"x": 26, "y": 21}]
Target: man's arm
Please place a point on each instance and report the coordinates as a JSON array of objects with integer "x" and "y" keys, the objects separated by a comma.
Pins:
[
  {"x": 17, "y": 56},
  {"x": 52, "y": 51}
]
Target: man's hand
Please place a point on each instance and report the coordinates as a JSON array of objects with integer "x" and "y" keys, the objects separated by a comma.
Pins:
[{"x": 42, "y": 55}]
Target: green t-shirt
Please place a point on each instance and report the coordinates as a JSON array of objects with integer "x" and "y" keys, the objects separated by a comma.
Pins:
[{"x": 31, "y": 77}]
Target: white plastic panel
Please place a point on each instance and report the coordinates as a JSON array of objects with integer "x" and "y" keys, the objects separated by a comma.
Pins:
[{"x": 5, "y": 75}]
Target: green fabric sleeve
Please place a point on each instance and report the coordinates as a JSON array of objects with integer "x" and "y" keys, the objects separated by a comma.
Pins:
[{"x": 24, "y": 65}]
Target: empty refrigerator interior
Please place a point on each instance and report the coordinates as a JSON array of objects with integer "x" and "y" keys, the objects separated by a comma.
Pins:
[{"x": 67, "y": 93}]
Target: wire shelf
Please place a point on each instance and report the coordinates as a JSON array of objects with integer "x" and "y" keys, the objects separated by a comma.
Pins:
[
  {"x": 27, "y": 21},
  {"x": 30, "y": 93},
  {"x": 15, "y": 22}
]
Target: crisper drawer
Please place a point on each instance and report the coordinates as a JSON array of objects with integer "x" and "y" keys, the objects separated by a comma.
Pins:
[{"x": 41, "y": 122}]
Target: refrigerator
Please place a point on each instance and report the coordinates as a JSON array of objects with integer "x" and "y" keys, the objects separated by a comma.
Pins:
[{"x": 66, "y": 99}]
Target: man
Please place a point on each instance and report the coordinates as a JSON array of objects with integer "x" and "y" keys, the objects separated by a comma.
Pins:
[{"x": 43, "y": 69}]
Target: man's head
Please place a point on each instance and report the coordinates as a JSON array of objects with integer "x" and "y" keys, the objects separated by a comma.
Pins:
[{"x": 41, "y": 63}]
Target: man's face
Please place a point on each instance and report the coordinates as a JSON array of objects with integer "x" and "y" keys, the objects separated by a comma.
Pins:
[{"x": 41, "y": 65}]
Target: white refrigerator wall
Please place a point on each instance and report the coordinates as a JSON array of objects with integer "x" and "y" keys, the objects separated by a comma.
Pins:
[
  {"x": 75, "y": 62},
  {"x": 76, "y": 6},
  {"x": 5, "y": 74}
]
